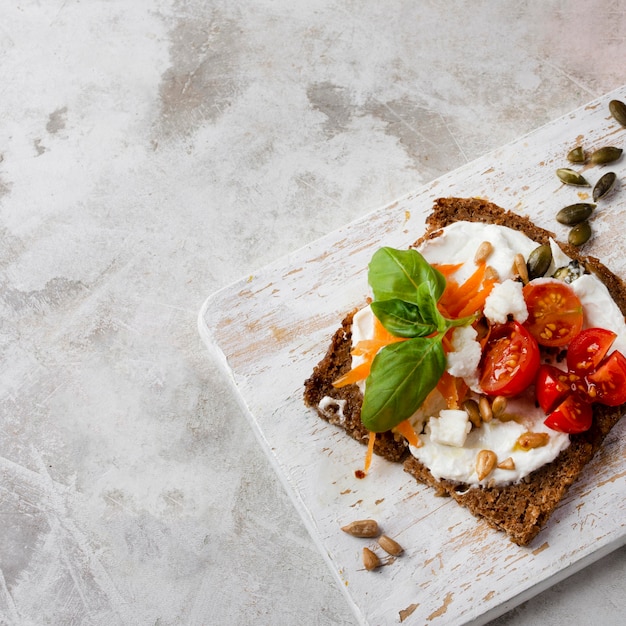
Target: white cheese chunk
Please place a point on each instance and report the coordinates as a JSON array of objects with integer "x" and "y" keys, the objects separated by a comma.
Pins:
[
  {"x": 450, "y": 428},
  {"x": 506, "y": 299}
]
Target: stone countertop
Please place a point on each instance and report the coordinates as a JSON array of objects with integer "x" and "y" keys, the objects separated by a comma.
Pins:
[{"x": 154, "y": 152}]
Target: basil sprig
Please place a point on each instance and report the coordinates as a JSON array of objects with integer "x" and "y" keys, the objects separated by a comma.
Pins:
[{"x": 406, "y": 291}]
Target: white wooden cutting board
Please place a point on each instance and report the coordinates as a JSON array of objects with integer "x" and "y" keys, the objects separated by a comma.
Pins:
[{"x": 269, "y": 330}]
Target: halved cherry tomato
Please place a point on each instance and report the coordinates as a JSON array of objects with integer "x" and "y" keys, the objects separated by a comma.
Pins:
[
  {"x": 587, "y": 349},
  {"x": 608, "y": 381},
  {"x": 510, "y": 360},
  {"x": 573, "y": 415},
  {"x": 551, "y": 387},
  {"x": 555, "y": 314}
]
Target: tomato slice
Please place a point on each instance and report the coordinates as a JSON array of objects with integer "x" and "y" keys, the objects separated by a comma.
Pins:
[
  {"x": 551, "y": 387},
  {"x": 608, "y": 381},
  {"x": 510, "y": 360},
  {"x": 573, "y": 415},
  {"x": 555, "y": 314},
  {"x": 587, "y": 350}
]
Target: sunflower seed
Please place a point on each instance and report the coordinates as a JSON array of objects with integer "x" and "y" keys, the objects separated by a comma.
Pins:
[
  {"x": 530, "y": 440},
  {"x": 486, "y": 460},
  {"x": 370, "y": 559},
  {"x": 390, "y": 546},
  {"x": 362, "y": 528}
]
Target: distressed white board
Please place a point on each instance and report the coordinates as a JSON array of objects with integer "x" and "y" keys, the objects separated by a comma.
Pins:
[{"x": 269, "y": 330}]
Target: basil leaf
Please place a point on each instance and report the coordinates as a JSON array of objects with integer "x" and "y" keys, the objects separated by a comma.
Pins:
[
  {"x": 399, "y": 273},
  {"x": 427, "y": 305},
  {"x": 402, "y": 375},
  {"x": 402, "y": 319}
]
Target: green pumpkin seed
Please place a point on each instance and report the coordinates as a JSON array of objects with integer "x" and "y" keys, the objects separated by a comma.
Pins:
[
  {"x": 539, "y": 261},
  {"x": 603, "y": 186},
  {"x": 576, "y": 155},
  {"x": 618, "y": 111},
  {"x": 569, "y": 273},
  {"x": 608, "y": 154},
  {"x": 570, "y": 177},
  {"x": 575, "y": 213},
  {"x": 580, "y": 234}
]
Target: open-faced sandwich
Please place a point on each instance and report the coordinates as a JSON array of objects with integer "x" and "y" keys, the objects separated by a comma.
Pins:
[{"x": 489, "y": 360}]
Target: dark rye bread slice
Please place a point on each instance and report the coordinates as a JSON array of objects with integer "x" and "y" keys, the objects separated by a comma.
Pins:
[{"x": 521, "y": 509}]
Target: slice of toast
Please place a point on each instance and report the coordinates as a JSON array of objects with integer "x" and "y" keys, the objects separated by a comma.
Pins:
[{"x": 520, "y": 509}]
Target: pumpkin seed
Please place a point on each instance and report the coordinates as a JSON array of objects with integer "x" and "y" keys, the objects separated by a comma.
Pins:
[
  {"x": 569, "y": 273},
  {"x": 580, "y": 234},
  {"x": 618, "y": 111},
  {"x": 575, "y": 213},
  {"x": 605, "y": 155},
  {"x": 576, "y": 155},
  {"x": 539, "y": 261},
  {"x": 604, "y": 185},
  {"x": 570, "y": 177}
]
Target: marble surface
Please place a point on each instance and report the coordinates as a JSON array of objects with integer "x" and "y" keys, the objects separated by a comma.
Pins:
[{"x": 152, "y": 152}]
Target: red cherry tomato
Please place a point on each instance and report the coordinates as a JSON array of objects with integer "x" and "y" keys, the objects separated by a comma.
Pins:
[
  {"x": 608, "y": 381},
  {"x": 587, "y": 349},
  {"x": 573, "y": 415},
  {"x": 555, "y": 314},
  {"x": 510, "y": 360},
  {"x": 551, "y": 387}
]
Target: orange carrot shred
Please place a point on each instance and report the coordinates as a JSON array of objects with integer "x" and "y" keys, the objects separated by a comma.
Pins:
[
  {"x": 447, "y": 268},
  {"x": 370, "y": 452},
  {"x": 405, "y": 428}
]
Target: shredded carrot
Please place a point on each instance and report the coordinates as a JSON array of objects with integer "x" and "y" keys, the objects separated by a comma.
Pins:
[
  {"x": 477, "y": 302},
  {"x": 467, "y": 298},
  {"x": 406, "y": 429},
  {"x": 368, "y": 348},
  {"x": 370, "y": 452},
  {"x": 453, "y": 389},
  {"x": 448, "y": 268}
]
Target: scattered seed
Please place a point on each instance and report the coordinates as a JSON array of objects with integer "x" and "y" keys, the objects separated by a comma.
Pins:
[
  {"x": 390, "y": 546},
  {"x": 519, "y": 267},
  {"x": 471, "y": 407},
  {"x": 531, "y": 440},
  {"x": 570, "y": 177},
  {"x": 605, "y": 155},
  {"x": 575, "y": 213},
  {"x": 576, "y": 155},
  {"x": 486, "y": 460},
  {"x": 498, "y": 406},
  {"x": 370, "y": 560},
  {"x": 539, "y": 261},
  {"x": 491, "y": 273},
  {"x": 604, "y": 185},
  {"x": 618, "y": 111},
  {"x": 579, "y": 234},
  {"x": 485, "y": 409},
  {"x": 484, "y": 251},
  {"x": 507, "y": 464},
  {"x": 362, "y": 528}
]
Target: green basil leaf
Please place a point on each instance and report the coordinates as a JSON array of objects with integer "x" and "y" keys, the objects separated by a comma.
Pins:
[
  {"x": 402, "y": 375},
  {"x": 399, "y": 273},
  {"x": 402, "y": 319},
  {"x": 427, "y": 305}
]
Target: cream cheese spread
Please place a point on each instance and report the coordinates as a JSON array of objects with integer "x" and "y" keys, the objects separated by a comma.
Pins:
[{"x": 449, "y": 448}]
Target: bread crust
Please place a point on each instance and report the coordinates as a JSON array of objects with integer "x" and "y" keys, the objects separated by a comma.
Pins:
[{"x": 521, "y": 509}]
